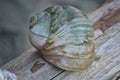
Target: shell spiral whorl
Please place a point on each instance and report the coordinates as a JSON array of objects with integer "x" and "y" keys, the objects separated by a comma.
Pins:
[{"x": 64, "y": 36}]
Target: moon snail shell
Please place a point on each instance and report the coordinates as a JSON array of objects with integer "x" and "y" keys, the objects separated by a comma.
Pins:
[{"x": 64, "y": 37}]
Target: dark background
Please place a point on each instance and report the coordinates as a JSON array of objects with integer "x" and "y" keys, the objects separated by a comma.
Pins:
[{"x": 14, "y": 22}]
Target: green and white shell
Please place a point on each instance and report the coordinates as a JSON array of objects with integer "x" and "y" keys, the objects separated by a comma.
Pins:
[{"x": 64, "y": 37}]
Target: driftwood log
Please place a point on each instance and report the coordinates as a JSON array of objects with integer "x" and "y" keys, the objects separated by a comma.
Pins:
[{"x": 106, "y": 20}]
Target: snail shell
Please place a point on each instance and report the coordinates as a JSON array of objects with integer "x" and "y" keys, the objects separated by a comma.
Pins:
[{"x": 64, "y": 37}]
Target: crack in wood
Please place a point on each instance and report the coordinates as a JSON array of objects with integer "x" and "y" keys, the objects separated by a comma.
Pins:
[
  {"x": 116, "y": 76},
  {"x": 57, "y": 74},
  {"x": 37, "y": 65}
]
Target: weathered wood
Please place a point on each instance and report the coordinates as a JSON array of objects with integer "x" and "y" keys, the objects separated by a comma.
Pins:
[
  {"x": 30, "y": 66},
  {"x": 98, "y": 33},
  {"x": 107, "y": 62},
  {"x": 116, "y": 76},
  {"x": 23, "y": 64},
  {"x": 109, "y": 13},
  {"x": 108, "y": 20}
]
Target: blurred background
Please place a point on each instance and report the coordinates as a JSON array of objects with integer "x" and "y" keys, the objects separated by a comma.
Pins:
[{"x": 14, "y": 22}]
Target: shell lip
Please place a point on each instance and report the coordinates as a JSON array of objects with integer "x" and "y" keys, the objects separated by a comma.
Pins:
[{"x": 30, "y": 29}]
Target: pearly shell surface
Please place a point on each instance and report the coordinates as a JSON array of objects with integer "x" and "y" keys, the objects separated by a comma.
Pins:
[{"x": 64, "y": 37}]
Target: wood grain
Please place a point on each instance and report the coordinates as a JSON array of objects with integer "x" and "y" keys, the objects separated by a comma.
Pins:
[
  {"x": 23, "y": 64},
  {"x": 116, "y": 76},
  {"x": 108, "y": 62},
  {"x": 108, "y": 20},
  {"x": 105, "y": 66}
]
